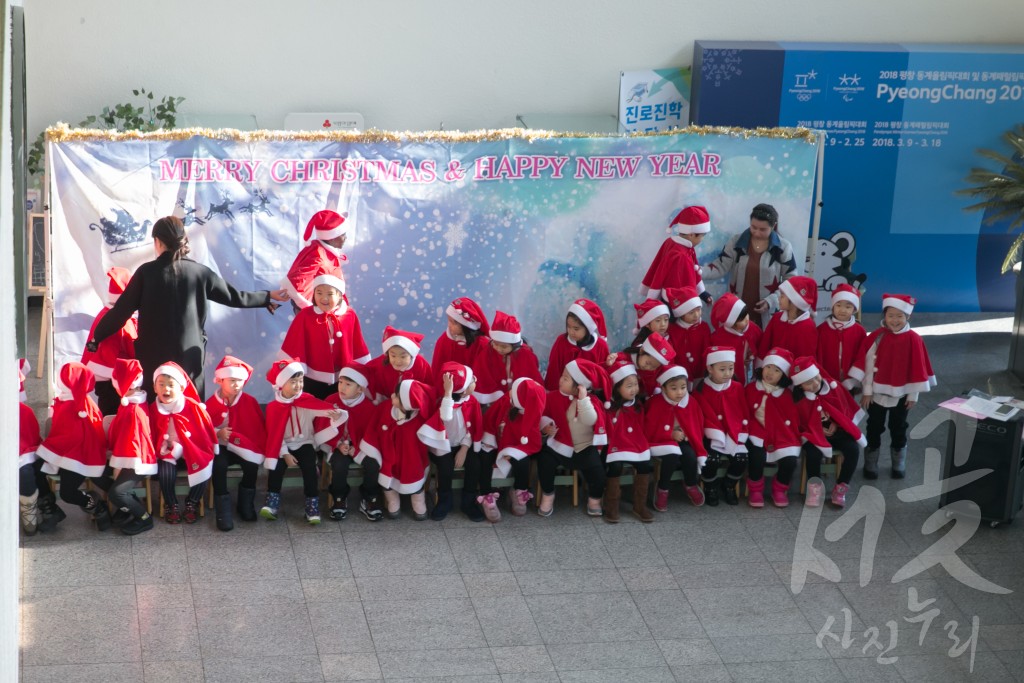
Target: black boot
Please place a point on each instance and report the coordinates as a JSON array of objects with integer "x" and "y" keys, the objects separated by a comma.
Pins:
[
  {"x": 98, "y": 510},
  {"x": 51, "y": 512},
  {"x": 470, "y": 508},
  {"x": 710, "y": 493},
  {"x": 121, "y": 517},
  {"x": 729, "y": 491},
  {"x": 222, "y": 504},
  {"x": 137, "y": 525},
  {"x": 246, "y": 504},
  {"x": 443, "y": 506}
]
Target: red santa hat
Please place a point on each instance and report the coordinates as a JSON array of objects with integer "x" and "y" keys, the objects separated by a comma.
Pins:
[
  {"x": 118, "y": 278},
  {"x": 671, "y": 372},
  {"x": 79, "y": 381},
  {"x": 329, "y": 275},
  {"x": 462, "y": 375},
  {"x": 648, "y": 311},
  {"x": 23, "y": 369},
  {"x": 780, "y": 358},
  {"x": 410, "y": 341},
  {"x": 845, "y": 292},
  {"x": 283, "y": 370},
  {"x": 233, "y": 368},
  {"x": 528, "y": 395},
  {"x": 505, "y": 329},
  {"x": 659, "y": 348},
  {"x": 357, "y": 372},
  {"x": 726, "y": 310},
  {"x": 693, "y": 220},
  {"x": 902, "y": 302},
  {"x": 126, "y": 377},
  {"x": 415, "y": 396},
  {"x": 802, "y": 291},
  {"x": 175, "y": 372},
  {"x": 621, "y": 369},
  {"x": 591, "y": 376},
  {"x": 682, "y": 300},
  {"x": 467, "y": 312},
  {"x": 326, "y": 225},
  {"x": 591, "y": 316},
  {"x": 804, "y": 368},
  {"x": 719, "y": 354}
]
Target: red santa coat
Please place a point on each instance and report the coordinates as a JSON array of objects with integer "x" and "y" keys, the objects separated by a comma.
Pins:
[
  {"x": 309, "y": 263},
  {"x": 448, "y": 349},
  {"x": 495, "y": 372},
  {"x": 401, "y": 452},
  {"x": 326, "y": 341},
  {"x": 385, "y": 378},
  {"x": 564, "y": 352},
  {"x": 131, "y": 437},
  {"x": 675, "y": 265},
  {"x": 330, "y": 437},
  {"x": 516, "y": 436},
  {"x": 726, "y": 418},
  {"x": 121, "y": 344},
  {"x": 746, "y": 346},
  {"x": 780, "y": 434},
  {"x": 661, "y": 418},
  {"x": 281, "y": 412},
  {"x": 28, "y": 435},
  {"x": 75, "y": 443},
  {"x": 902, "y": 365},
  {"x": 799, "y": 336},
  {"x": 556, "y": 410},
  {"x": 194, "y": 437},
  {"x": 838, "y": 347},
  {"x": 248, "y": 427},
  {"x": 471, "y": 416},
  {"x": 626, "y": 439},
  {"x": 828, "y": 405},
  {"x": 689, "y": 343}
]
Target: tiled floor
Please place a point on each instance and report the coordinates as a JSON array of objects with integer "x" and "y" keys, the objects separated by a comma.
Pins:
[{"x": 700, "y": 595}]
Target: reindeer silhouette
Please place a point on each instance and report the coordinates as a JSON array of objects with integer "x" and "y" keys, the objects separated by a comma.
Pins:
[
  {"x": 122, "y": 233},
  {"x": 223, "y": 209},
  {"x": 190, "y": 216},
  {"x": 260, "y": 206}
]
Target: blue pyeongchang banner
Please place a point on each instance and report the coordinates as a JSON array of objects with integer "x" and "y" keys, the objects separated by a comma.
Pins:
[
  {"x": 521, "y": 224},
  {"x": 903, "y": 124}
]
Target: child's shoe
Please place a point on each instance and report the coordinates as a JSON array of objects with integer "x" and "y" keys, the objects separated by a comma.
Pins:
[
  {"x": 443, "y": 506},
  {"x": 694, "y": 493},
  {"x": 871, "y": 463},
  {"x": 711, "y": 493},
  {"x": 594, "y": 507},
  {"x": 839, "y": 494},
  {"x": 137, "y": 525},
  {"x": 313, "y": 510},
  {"x": 393, "y": 502},
  {"x": 419, "y": 506},
  {"x": 270, "y": 509},
  {"x": 755, "y": 490},
  {"x": 470, "y": 508},
  {"x": 120, "y": 517},
  {"x": 222, "y": 511},
  {"x": 519, "y": 498},
  {"x": 370, "y": 507},
  {"x": 29, "y": 513},
  {"x": 899, "y": 462},
  {"x": 815, "y": 493},
  {"x": 641, "y": 483},
  {"x": 339, "y": 510},
  {"x": 546, "y": 505},
  {"x": 729, "y": 491},
  {"x": 612, "y": 497},
  {"x": 191, "y": 514},
  {"x": 489, "y": 502},
  {"x": 172, "y": 513},
  {"x": 779, "y": 493},
  {"x": 98, "y": 510},
  {"x": 246, "y": 504},
  {"x": 52, "y": 515},
  {"x": 661, "y": 500}
]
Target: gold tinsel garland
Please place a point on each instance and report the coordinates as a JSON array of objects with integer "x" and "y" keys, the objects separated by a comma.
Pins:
[{"x": 61, "y": 132}]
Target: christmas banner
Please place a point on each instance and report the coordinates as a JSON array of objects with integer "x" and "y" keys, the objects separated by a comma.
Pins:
[{"x": 522, "y": 221}]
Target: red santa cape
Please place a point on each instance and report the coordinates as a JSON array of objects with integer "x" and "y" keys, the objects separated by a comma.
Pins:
[
  {"x": 564, "y": 352},
  {"x": 398, "y": 443},
  {"x": 902, "y": 365},
  {"x": 194, "y": 439},
  {"x": 798, "y": 336},
  {"x": 726, "y": 419},
  {"x": 626, "y": 439},
  {"x": 280, "y": 412},
  {"x": 828, "y": 405},
  {"x": 28, "y": 435},
  {"x": 330, "y": 437},
  {"x": 386, "y": 378},
  {"x": 315, "y": 259},
  {"x": 661, "y": 417},
  {"x": 556, "y": 409},
  {"x": 495, "y": 373},
  {"x": 131, "y": 437},
  {"x": 325, "y": 341},
  {"x": 245, "y": 418},
  {"x": 76, "y": 441},
  {"x": 780, "y": 433},
  {"x": 515, "y": 437},
  {"x": 118, "y": 345},
  {"x": 690, "y": 342},
  {"x": 675, "y": 265}
]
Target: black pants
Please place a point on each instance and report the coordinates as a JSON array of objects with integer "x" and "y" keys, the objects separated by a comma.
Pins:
[
  {"x": 225, "y": 459},
  {"x": 897, "y": 424},
  {"x": 106, "y": 397},
  {"x": 444, "y": 464},
  {"x": 614, "y": 469},
  {"x": 31, "y": 479},
  {"x": 306, "y": 455},
  {"x": 737, "y": 465},
  {"x": 340, "y": 465},
  {"x": 70, "y": 487},
  {"x": 168, "y": 474},
  {"x": 121, "y": 491},
  {"x": 842, "y": 442},
  {"x": 481, "y": 473},
  {"x": 685, "y": 461},
  {"x": 321, "y": 390},
  {"x": 587, "y": 462}
]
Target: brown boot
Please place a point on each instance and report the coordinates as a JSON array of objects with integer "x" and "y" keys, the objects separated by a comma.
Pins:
[
  {"x": 612, "y": 495},
  {"x": 641, "y": 484}
]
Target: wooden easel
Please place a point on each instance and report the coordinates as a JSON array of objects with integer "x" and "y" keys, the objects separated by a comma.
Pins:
[{"x": 39, "y": 223}]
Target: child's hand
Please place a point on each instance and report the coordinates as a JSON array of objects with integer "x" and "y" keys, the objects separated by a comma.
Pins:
[
  {"x": 581, "y": 392},
  {"x": 549, "y": 430},
  {"x": 678, "y": 434},
  {"x": 911, "y": 404},
  {"x": 449, "y": 384},
  {"x": 830, "y": 429},
  {"x": 865, "y": 401},
  {"x": 335, "y": 414},
  {"x": 290, "y": 460},
  {"x": 224, "y": 434},
  {"x": 460, "y": 456},
  {"x": 610, "y": 360}
]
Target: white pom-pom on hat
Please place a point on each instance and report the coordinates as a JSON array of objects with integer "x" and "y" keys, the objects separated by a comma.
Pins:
[{"x": 124, "y": 401}]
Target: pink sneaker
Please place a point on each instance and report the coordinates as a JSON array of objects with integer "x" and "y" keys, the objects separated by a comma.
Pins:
[
  {"x": 490, "y": 505},
  {"x": 519, "y": 499},
  {"x": 661, "y": 500},
  {"x": 815, "y": 492},
  {"x": 695, "y": 494},
  {"x": 839, "y": 495}
]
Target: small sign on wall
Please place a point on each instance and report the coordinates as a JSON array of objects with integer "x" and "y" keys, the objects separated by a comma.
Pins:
[
  {"x": 324, "y": 121},
  {"x": 654, "y": 99}
]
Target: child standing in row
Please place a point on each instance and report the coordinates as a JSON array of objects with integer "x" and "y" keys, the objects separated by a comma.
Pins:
[
  {"x": 401, "y": 360},
  {"x": 840, "y": 336},
  {"x": 793, "y": 328},
  {"x": 504, "y": 360},
  {"x": 584, "y": 339},
  {"x": 734, "y": 329}
]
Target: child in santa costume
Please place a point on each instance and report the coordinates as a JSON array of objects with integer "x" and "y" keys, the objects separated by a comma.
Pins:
[
  {"x": 132, "y": 453},
  {"x": 649, "y": 358},
  {"x": 793, "y": 327},
  {"x": 241, "y": 435},
  {"x": 676, "y": 264},
  {"x": 775, "y": 434},
  {"x": 735, "y": 329},
  {"x": 674, "y": 427},
  {"x": 585, "y": 338},
  {"x": 463, "y": 426},
  {"x": 827, "y": 425},
  {"x": 688, "y": 334},
  {"x": 504, "y": 360},
  {"x": 626, "y": 444},
  {"x": 400, "y": 361},
  {"x": 341, "y": 443},
  {"x": 574, "y": 424},
  {"x": 184, "y": 435},
  {"x": 326, "y": 233},
  {"x": 840, "y": 337},
  {"x": 463, "y": 339},
  {"x": 511, "y": 437},
  {"x": 118, "y": 345},
  {"x": 894, "y": 370},
  {"x": 32, "y": 483},
  {"x": 726, "y": 422},
  {"x": 326, "y": 336},
  {"x": 76, "y": 446},
  {"x": 398, "y": 440},
  {"x": 292, "y": 437},
  {"x": 652, "y": 315}
]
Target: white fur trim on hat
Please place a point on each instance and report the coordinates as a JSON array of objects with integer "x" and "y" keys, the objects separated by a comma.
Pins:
[
  {"x": 722, "y": 356},
  {"x": 585, "y": 318},
  {"x": 506, "y": 337},
  {"x": 687, "y": 306},
  {"x": 846, "y": 296},
  {"x": 778, "y": 361},
  {"x": 649, "y": 316},
  {"x": 331, "y": 280},
  {"x": 577, "y": 374},
  {"x": 898, "y": 304},
  {"x": 404, "y": 342},
  {"x": 671, "y": 372},
  {"x": 172, "y": 372},
  {"x": 622, "y": 372},
  {"x": 808, "y": 372},
  {"x": 356, "y": 376},
  {"x": 513, "y": 395},
  {"x": 232, "y": 372},
  {"x": 648, "y": 348},
  {"x": 454, "y": 314},
  {"x": 734, "y": 312},
  {"x": 286, "y": 373},
  {"x": 791, "y": 294}
]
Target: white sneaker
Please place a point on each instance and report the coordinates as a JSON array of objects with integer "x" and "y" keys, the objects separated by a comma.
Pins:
[{"x": 815, "y": 493}]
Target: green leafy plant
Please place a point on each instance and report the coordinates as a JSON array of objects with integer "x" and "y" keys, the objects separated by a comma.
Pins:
[
  {"x": 1002, "y": 191},
  {"x": 151, "y": 114}
]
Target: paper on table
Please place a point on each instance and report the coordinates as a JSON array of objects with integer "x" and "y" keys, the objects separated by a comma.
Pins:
[{"x": 981, "y": 406}]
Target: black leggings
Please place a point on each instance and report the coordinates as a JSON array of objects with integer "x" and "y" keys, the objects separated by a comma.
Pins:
[
  {"x": 340, "y": 464},
  {"x": 31, "y": 479},
  {"x": 70, "y": 487},
  {"x": 897, "y": 424},
  {"x": 685, "y": 461},
  {"x": 167, "y": 471},
  {"x": 587, "y": 461},
  {"x": 842, "y": 442},
  {"x": 445, "y": 466},
  {"x": 734, "y": 470},
  {"x": 306, "y": 455},
  {"x": 121, "y": 492},
  {"x": 614, "y": 469},
  {"x": 225, "y": 459},
  {"x": 482, "y": 472}
]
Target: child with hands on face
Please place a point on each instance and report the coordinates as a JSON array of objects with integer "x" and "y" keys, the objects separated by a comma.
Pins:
[{"x": 464, "y": 428}]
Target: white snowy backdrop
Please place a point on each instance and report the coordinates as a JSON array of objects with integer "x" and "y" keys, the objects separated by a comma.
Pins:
[{"x": 434, "y": 230}]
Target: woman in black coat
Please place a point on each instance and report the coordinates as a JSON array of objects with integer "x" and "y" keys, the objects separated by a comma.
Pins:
[{"x": 171, "y": 294}]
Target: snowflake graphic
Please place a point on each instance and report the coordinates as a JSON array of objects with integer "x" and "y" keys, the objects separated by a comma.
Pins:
[
  {"x": 454, "y": 236},
  {"x": 721, "y": 65}
]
